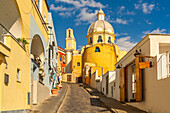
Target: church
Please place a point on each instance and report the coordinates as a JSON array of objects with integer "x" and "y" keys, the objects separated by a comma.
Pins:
[{"x": 99, "y": 55}]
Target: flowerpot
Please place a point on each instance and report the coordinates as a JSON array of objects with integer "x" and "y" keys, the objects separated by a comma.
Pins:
[
  {"x": 54, "y": 91},
  {"x": 58, "y": 87}
]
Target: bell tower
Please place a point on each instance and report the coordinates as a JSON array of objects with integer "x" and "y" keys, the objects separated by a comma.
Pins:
[
  {"x": 70, "y": 40},
  {"x": 70, "y": 47}
]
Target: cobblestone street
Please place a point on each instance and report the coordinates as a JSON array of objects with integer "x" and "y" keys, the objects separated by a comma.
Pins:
[{"x": 78, "y": 100}]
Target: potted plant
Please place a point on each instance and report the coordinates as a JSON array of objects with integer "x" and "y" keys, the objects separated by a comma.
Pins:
[
  {"x": 54, "y": 91},
  {"x": 22, "y": 41}
]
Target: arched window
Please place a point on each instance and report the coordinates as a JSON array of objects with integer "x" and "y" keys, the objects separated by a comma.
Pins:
[
  {"x": 91, "y": 41},
  {"x": 97, "y": 49},
  {"x": 109, "y": 40},
  {"x": 69, "y": 33},
  {"x": 99, "y": 39}
]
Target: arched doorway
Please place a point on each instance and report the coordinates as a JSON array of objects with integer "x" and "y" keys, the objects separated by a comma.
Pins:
[
  {"x": 37, "y": 66},
  {"x": 37, "y": 54}
]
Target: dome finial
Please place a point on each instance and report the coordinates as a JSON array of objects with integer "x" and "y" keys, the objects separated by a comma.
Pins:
[{"x": 100, "y": 15}]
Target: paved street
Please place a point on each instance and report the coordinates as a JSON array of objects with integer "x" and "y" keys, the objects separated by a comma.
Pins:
[
  {"x": 78, "y": 100},
  {"x": 51, "y": 104}
]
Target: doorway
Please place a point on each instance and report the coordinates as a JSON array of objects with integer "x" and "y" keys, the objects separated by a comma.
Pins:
[{"x": 68, "y": 78}]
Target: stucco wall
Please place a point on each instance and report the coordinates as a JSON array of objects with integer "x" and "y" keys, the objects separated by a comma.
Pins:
[
  {"x": 155, "y": 92},
  {"x": 43, "y": 92},
  {"x": 14, "y": 96}
]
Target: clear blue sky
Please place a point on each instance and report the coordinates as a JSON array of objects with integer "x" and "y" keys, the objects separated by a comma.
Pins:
[{"x": 131, "y": 19}]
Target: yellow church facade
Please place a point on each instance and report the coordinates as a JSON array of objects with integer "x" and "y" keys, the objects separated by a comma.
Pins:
[{"x": 100, "y": 54}]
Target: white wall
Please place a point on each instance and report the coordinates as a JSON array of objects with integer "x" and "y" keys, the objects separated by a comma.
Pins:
[{"x": 156, "y": 93}]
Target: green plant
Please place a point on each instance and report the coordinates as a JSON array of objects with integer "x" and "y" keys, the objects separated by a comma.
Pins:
[
  {"x": 56, "y": 88},
  {"x": 22, "y": 40}
]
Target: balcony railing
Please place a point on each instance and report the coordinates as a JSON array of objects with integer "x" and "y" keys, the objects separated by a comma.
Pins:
[{"x": 3, "y": 32}]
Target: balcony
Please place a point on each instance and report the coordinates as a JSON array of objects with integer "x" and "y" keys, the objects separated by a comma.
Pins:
[
  {"x": 5, "y": 40},
  {"x": 3, "y": 32}
]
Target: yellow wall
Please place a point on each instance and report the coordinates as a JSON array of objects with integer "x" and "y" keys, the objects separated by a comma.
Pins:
[
  {"x": 14, "y": 96},
  {"x": 121, "y": 54},
  {"x": 77, "y": 70},
  {"x": 105, "y": 58},
  {"x": 27, "y": 8}
]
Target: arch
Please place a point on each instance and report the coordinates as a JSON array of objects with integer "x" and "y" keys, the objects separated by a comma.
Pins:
[
  {"x": 37, "y": 50},
  {"x": 99, "y": 39},
  {"x": 97, "y": 49},
  {"x": 109, "y": 40},
  {"x": 91, "y": 41}
]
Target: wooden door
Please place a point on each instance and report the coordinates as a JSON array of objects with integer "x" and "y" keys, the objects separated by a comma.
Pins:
[
  {"x": 68, "y": 78},
  {"x": 122, "y": 84},
  {"x": 138, "y": 80}
]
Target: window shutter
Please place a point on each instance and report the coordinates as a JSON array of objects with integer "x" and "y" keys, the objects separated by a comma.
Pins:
[
  {"x": 164, "y": 66},
  {"x": 159, "y": 66},
  {"x": 138, "y": 80},
  {"x": 122, "y": 84}
]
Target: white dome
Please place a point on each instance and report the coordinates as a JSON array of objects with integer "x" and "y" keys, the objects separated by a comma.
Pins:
[{"x": 100, "y": 25}]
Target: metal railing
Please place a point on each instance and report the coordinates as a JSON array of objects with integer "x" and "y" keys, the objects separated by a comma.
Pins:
[{"x": 3, "y": 32}]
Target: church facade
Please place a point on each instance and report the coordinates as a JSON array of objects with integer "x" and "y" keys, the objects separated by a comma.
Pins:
[{"x": 99, "y": 55}]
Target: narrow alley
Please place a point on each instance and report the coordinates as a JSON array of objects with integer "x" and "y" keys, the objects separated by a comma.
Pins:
[{"x": 78, "y": 100}]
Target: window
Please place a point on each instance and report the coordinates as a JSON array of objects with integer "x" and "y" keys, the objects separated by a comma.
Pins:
[
  {"x": 29, "y": 96},
  {"x": 97, "y": 49},
  {"x": 6, "y": 79},
  {"x": 163, "y": 65},
  {"x": 63, "y": 69},
  {"x": 78, "y": 63},
  {"x": 133, "y": 83},
  {"x": 63, "y": 59},
  {"x": 91, "y": 41},
  {"x": 18, "y": 75},
  {"x": 59, "y": 56},
  {"x": 168, "y": 63},
  {"x": 99, "y": 39},
  {"x": 109, "y": 40},
  {"x": 69, "y": 33}
]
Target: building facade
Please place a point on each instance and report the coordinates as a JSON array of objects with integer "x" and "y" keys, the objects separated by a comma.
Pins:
[
  {"x": 143, "y": 74},
  {"x": 62, "y": 58},
  {"x": 100, "y": 53},
  {"x": 25, "y": 68}
]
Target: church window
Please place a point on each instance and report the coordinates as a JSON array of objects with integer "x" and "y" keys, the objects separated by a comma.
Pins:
[
  {"x": 109, "y": 40},
  {"x": 78, "y": 63},
  {"x": 69, "y": 33},
  {"x": 99, "y": 39},
  {"x": 91, "y": 41},
  {"x": 97, "y": 49}
]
